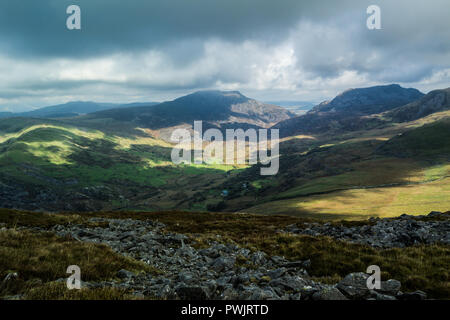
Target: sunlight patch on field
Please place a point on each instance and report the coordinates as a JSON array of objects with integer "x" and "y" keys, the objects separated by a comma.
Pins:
[
  {"x": 360, "y": 203},
  {"x": 437, "y": 172},
  {"x": 54, "y": 152},
  {"x": 426, "y": 120},
  {"x": 126, "y": 143},
  {"x": 298, "y": 137},
  {"x": 221, "y": 167},
  {"x": 375, "y": 172}
]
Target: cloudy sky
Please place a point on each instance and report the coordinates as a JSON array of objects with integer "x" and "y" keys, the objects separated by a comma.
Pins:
[{"x": 157, "y": 50}]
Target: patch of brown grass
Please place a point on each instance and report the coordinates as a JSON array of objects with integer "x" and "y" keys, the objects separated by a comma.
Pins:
[{"x": 15, "y": 218}]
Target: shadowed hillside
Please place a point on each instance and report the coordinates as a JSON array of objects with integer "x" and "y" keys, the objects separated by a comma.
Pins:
[{"x": 435, "y": 101}]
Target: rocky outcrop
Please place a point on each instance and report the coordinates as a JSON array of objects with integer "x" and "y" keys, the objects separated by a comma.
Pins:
[{"x": 384, "y": 233}]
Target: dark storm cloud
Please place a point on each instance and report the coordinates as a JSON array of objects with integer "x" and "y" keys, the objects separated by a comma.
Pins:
[
  {"x": 274, "y": 49},
  {"x": 30, "y": 27}
]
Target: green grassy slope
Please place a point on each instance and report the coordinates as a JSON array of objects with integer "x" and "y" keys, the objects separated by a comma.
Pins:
[
  {"x": 428, "y": 141},
  {"x": 120, "y": 168},
  {"x": 380, "y": 175}
]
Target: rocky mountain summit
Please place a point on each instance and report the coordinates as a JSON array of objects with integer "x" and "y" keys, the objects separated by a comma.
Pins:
[
  {"x": 369, "y": 100},
  {"x": 228, "y": 271}
]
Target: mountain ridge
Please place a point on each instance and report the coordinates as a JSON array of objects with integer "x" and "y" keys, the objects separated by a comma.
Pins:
[
  {"x": 350, "y": 110},
  {"x": 369, "y": 100},
  {"x": 218, "y": 108},
  {"x": 434, "y": 101},
  {"x": 71, "y": 109}
]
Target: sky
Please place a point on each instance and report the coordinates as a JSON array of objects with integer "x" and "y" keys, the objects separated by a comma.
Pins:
[{"x": 128, "y": 51}]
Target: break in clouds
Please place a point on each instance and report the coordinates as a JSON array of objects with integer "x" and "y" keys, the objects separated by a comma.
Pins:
[{"x": 270, "y": 50}]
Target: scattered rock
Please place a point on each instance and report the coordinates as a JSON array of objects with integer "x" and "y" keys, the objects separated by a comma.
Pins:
[
  {"x": 223, "y": 264},
  {"x": 329, "y": 294},
  {"x": 391, "y": 287},
  {"x": 416, "y": 295},
  {"x": 434, "y": 213},
  {"x": 125, "y": 274},
  {"x": 354, "y": 286},
  {"x": 379, "y": 296},
  {"x": 191, "y": 293},
  {"x": 11, "y": 277},
  {"x": 10, "y": 281}
]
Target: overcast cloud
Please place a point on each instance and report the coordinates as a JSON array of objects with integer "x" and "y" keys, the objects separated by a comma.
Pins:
[{"x": 271, "y": 50}]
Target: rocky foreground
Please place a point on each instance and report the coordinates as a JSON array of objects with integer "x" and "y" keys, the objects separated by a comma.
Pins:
[{"x": 227, "y": 271}]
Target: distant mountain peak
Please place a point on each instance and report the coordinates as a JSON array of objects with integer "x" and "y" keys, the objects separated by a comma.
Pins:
[
  {"x": 214, "y": 94},
  {"x": 369, "y": 100},
  {"x": 348, "y": 110},
  {"x": 218, "y": 108},
  {"x": 71, "y": 109},
  {"x": 218, "y": 92}
]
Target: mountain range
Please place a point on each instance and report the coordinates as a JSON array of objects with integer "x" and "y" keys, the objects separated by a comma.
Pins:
[
  {"x": 221, "y": 109},
  {"x": 383, "y": 145},
  {"x": 366, "y": 108},
  {"x": 72, "y": 109}
]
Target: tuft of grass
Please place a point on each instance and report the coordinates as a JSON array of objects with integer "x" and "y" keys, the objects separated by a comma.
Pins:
[
  {"x": 59, "y": 291},
  {"x": 15, "y": 218}
]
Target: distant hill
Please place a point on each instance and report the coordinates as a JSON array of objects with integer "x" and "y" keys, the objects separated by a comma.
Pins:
[
  {"x": 435, "y": 101},
  {"x": 71, "y": 109},
  {"x": 5, "y": 114},
  {"x": 218, "y": 108},
  {"x": 349, "y": 110},
  {"x": 369, "y": 100}
]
